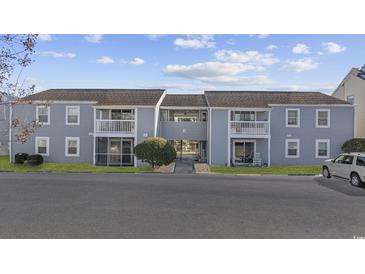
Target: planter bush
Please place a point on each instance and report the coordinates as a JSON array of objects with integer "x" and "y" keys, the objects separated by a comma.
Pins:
[
  {"x": 20, "y": 158},
  {"x": 354, "y": 145},
  {"x": 155, "y": 151},
  {"x": 35, "y": 159}
]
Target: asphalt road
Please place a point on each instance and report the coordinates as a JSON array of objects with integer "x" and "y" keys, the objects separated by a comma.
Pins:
[{"x": 178, "y": 206}]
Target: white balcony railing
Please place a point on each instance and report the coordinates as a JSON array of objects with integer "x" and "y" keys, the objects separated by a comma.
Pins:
[
  {"x": 121, "y": 126},
  {"x": 250, "y": 128}
]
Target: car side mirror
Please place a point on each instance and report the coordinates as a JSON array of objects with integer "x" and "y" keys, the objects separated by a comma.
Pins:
[{"x": 333, "y": 161}]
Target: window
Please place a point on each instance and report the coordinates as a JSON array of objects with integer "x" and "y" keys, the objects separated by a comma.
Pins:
[
  {"x": 243, "y": 116},
  {"x": 292, "y": 148},
  {"x": 322, "y": 148},
  {"x": 360, "y": 161},
  {"x": 339, "y": 159},
  {"x": 350, "y": 99},
  {"x": 102, "y": 114},
  {"x": 292, "y": 117},
  {"x": 43, "y": 115},
  {"x": 42, "y": 146},
  {"x": 348, "y": 159},
  {"x": 322, "y": 118},
  {"x": 72, "y": 115},
  {"x": 72, "y": 146}
]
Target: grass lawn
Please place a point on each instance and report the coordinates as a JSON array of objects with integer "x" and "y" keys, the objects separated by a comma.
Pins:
[
  {"x": 50, "y": 167},
  {"x": 276, "y": 170}
]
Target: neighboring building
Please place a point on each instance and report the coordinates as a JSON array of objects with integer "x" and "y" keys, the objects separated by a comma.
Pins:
[
  {"x": 352, "y": 90},
  {"x": 4, "y": 123},
  {"x": 220, "y": 127}
]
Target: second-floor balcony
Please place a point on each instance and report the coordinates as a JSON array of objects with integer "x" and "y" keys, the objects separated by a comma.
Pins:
[
  {"x": 250, "y": 128},
  {"x": 115, "y": 126}
]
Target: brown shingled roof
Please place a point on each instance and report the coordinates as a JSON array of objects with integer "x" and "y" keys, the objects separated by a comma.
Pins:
[
  {"x": 265, "y": 98},
  {"x": 101, "y": 96},
  {"x": 179, "y": 100}
]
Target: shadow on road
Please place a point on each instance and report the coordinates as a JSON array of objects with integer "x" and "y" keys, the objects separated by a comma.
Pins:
[{"x": 341, "y": 186}]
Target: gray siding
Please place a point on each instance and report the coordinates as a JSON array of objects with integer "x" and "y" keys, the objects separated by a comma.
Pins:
[
  {"x": 219, "y": 137},
  {"x": 184, "y": 130},
  {"x": 57, "y": 131},
  {"x": 4, "y": 129},
  {"x": 145, "y": 123},
  {"x": 341, "y": 129}
]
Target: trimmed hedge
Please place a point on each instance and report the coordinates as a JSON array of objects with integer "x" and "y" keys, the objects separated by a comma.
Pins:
[
  {"x": 35, "y": 160},
  {"x": 20, "y": 158},
  {"x": 354, "y": 145},
  {"x": 155, "y": 151}
]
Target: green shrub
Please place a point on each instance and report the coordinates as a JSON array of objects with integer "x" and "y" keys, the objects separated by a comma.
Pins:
[
  {"x": 354, "y": 145},
  {"x": 155, "y": 151}
]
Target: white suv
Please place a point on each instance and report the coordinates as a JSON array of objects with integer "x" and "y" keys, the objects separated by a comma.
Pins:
[{"x": 350, "y": 166}]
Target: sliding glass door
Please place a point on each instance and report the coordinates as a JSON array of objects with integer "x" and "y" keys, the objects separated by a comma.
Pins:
[
  {"x": 243, "y": 152},
  {"x": 114, "y": 151}
]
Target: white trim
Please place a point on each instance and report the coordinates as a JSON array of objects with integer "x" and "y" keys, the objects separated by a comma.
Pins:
[
  {"x": 314, "y": 105},
  {"x": 287, "y": 117},
  {"x": 157, "y": 113},
  {"x": 286, "y": 148},
  {"x": 328, "y": 148},
  {"x": 242, "y": 108},
  {"x": 36, "y": 145},
  {"x": 48, "y": 114},
  {"x": 269, "y": 143},
  {"x": 78, "y": 146},
  {"x": 63, "y": 102},
  {"x": 328, "y": 117},
  {"x": 135, "y": 142},
  {"x": 122, "y": 106},
  {"x": 10, "y": 131},
  {"x": 240, "y": 141},
  {"x": 210, "y": 136},
  {"x": 184, "y": 108},
  {"x": 78, "y": 115},
  {"x": 94, "y": 141},
  {"x": 229, "y": 139}
]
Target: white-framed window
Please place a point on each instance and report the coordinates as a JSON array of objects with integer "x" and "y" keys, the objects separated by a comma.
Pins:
[
  {"x": 292, "y": 148},
  {"x": 350, "y": 99},
  {"x": 323, "y": 118},
  {"x": 72, "y": 115},
  {"x": 72, "y": 146},
  {"x": 43, "y": 114},
  {"x": 322, "y": 148},
  {"x": 42, "y": 146},
  {"x": 292, "y": 117}
]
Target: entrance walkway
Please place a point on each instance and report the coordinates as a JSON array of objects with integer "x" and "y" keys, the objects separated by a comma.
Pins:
[{"x": 184, "y": 165}]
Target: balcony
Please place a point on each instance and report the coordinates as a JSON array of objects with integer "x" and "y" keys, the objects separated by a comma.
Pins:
[
  {"x": 115, "y": 126},
  {"x": 250, "y": 128},
  {"x": 183, "y": 130}
]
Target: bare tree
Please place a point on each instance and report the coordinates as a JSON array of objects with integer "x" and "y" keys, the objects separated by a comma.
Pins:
[{"x": 16, "y": 52}]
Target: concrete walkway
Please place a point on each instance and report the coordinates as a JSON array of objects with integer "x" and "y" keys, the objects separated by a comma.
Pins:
[{"x": 184, "y": 166}]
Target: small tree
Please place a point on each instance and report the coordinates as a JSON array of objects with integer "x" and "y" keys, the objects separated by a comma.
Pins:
[
  {"x": 155, "y": 151},
  {"x": 354, "y": 145}
]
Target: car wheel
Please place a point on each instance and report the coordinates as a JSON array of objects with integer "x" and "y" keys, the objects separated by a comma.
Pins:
[
  {"x": 326, "y": 172},
  {"x": 355, "y": 180}
]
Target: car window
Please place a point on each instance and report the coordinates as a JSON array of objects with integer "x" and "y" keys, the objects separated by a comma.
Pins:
[
  {"x": 339, "y": 159},
  {"x": 360, "y": 161},
  {"x": 348, "y": 160}
]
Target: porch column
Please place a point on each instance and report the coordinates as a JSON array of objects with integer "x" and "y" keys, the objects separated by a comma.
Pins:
[
  {"x": 269, "y": 142},
  {"x": 229, "y": 139}
]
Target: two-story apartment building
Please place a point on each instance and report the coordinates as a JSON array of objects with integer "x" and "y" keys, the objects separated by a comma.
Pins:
[
  {"x": 352, "y": 89},
  {"x": 218, "y": 127}
]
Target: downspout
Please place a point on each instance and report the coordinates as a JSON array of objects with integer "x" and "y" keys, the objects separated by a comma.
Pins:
[{"x": 157, "y": 113}]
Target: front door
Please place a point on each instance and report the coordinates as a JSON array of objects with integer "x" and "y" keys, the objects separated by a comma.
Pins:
[
  {"x": 244, "y": 152},
  {"x": 114, "y": 151}
]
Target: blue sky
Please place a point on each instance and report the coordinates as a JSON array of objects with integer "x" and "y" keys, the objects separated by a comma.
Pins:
[{"x": 193, "y": 63}]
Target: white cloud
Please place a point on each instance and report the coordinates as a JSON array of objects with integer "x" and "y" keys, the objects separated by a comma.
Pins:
[
  {"x": 56, "y": 54},
  {"x": 301, "y": 49},
  {"x": 271, "y": 47},
  {"x": 155, "y": 37},
  {"x": 105, "y": 60},
  {"x": 217, "y": 73},
  {"x": 45, "y": 37},
  {"x": 260, "y": 36},
  {"x": 332, "y": 47},
  {"x": 254, "y": 58},
  {"x": 93, "y": 38},
  {"x": 300, "y": 65},
  {"x": 137, "y": 61},
  {"x": 196, "y": 42}
]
